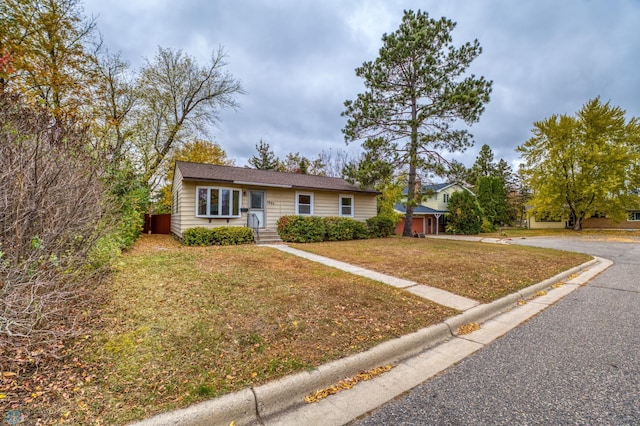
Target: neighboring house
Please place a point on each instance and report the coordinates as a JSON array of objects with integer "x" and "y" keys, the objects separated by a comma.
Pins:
[
  {"x": 209, "y": 195},
  {"x": 429, "y": 216},
  {"x": 543, "y": 221}
]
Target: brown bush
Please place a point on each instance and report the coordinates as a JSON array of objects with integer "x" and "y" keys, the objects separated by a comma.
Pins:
[{"x": 50, "y": 208}]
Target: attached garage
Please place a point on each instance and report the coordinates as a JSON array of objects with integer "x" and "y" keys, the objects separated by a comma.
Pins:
[
  {"x": 417, "y": 226},
  {"x": 425, "y": 220}
]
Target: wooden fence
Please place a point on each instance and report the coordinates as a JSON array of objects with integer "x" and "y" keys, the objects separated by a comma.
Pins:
[{"x": 157, "y": 223}]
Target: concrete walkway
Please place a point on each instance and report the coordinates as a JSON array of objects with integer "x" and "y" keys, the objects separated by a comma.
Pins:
[{"x": 436, "y": 295}]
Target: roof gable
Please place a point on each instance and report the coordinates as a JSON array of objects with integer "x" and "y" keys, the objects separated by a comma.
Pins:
[
  {"x": 419, "y": 209},
  {"x": 246, "y": 176},
  {"x": 438, "y": 187}
]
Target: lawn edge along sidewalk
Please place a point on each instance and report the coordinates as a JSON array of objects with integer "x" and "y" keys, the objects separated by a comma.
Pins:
[{"x": 282, "y": 401}]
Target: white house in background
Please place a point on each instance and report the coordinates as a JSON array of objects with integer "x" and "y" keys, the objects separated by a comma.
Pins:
[
  {"x": 429, "y": 216},
  {"x": 207, "y": 195}
]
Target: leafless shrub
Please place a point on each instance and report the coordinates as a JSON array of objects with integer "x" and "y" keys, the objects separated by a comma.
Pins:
[{"x": 50, "y": 206}]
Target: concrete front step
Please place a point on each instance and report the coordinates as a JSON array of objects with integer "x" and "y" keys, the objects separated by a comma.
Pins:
[{"x": 267, "y": 237}]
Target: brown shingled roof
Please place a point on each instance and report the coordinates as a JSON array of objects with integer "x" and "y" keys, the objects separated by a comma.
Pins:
[{"x": 246, "y": 176}]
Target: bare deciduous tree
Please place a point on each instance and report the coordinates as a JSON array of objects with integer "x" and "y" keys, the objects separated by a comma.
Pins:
[
  {"x": 50, "y": 207},
  {"x": 179, "y": 98}
]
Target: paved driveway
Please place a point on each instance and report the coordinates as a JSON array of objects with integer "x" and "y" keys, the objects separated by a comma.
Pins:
[{"x": 577, "y": 362}]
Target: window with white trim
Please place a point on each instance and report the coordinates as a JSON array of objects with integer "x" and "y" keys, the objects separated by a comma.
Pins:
[
  {"x": 346, "y": 205},
  {"x": 217, "y": 202},
  {"x": 445, "y": 198},
  {"x": 304, "y": 203},
  {"x": 634, "y": 216}
]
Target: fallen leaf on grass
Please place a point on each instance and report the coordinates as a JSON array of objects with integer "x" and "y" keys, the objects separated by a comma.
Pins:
[
  {"x": 468, "y": 328},
  {"x": 347, "y": 383}
]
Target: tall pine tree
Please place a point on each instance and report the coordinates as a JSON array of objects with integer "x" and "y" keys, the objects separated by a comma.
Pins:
[{"x": 416, "y": 90}]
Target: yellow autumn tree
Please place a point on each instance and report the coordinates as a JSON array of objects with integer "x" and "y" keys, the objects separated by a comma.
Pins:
[
  {"x": 48, "y": 41},
  {"x": 198, "y": 151}
]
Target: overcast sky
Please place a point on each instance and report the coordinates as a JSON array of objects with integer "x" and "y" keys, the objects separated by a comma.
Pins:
[{"x": 296, "y": 60}]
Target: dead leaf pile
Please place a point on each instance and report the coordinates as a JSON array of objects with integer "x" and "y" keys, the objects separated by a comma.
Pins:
[
  {"x": 347, "y": 383},
  {"x": 468, "y": 328}
]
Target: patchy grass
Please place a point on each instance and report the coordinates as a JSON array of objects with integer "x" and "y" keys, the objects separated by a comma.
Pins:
[
  {"x": 480, "y": 271},
  {"x": 184, "y": 324}
]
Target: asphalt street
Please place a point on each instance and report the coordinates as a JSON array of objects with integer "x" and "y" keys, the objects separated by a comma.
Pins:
[{"x": 577, "y": 362}]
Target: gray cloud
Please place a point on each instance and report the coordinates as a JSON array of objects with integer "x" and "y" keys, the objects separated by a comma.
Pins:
[{"x": 296, "y": 60}]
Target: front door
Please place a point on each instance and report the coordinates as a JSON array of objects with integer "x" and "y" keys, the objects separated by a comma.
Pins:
[{"x": 256, "y": 206}]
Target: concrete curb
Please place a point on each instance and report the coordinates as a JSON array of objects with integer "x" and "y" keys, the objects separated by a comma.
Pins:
[{"x": 254, "y": 405}]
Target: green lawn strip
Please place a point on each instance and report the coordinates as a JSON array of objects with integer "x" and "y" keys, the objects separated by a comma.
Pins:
[
  {"x": 186, "y": 324},
  {"x": 480, "y": 271}
]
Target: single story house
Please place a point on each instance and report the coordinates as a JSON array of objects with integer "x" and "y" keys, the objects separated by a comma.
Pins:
[
  {"x": 429, "y": 216},
  {"x": 208, "y": 195}
]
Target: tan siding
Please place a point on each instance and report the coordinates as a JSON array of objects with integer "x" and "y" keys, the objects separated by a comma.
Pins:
[
  {"x": 365, "y": 206},
  {"x": 278, "y": 203},
  {"x": 176, "y": 218},
  {"x": 325, "y": 204},
  {"x": 532, "y": 224}
]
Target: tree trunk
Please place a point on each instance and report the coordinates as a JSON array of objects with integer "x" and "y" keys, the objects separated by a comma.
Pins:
[
  {"x": 411, "y": 182},
  {"x": 411, "y": 196}
]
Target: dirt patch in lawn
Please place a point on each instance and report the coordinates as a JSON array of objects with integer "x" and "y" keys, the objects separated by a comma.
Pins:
[
  {"x": 181, "y": 325},
  {"x": 480, "y": 271}
]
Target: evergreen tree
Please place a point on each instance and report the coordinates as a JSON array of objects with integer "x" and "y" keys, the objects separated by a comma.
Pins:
[
  {"x": 265, "y": 158},
  {"x": 465, "y": 214},
  {"x": 483, "y": 166},
  {"x": 492, "y": 198},
  {"x": 415, "y": 92}
]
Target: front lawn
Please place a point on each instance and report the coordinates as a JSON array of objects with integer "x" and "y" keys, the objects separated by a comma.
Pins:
[
  {"x": 176, "y": 325},
  {"x": 480, "y": 271},
  {"x": 185, "y": 324}
]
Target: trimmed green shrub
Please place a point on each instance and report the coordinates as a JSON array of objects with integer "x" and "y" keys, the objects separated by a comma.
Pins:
[
  {"x": 301, "y": 229},
  {"x": 309, "y": 229},
  {"x": 344, "y": 229},
  {"x": 220, "y": 236},
  {"x": 381, "y": 226}
]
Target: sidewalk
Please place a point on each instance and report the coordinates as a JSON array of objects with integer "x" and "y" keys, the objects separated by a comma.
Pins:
[
  {"x": 437, "y": 295},
  {"x": 417, "y": 356}
]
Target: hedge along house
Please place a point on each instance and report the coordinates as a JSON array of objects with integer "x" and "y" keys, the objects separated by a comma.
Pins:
[
  {"x": 429, "y": 216},
  {"x": 207, "y": 195}
]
